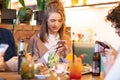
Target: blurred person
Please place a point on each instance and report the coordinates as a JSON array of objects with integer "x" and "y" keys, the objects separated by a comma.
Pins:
[
  {"x": 52, "y": 36},
  {"x": 8, "y": 59},
  {"x": 113, "y": 72}
]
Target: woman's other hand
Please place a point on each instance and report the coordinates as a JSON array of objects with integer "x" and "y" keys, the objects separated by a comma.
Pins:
[{"x": 12, "y": 64}]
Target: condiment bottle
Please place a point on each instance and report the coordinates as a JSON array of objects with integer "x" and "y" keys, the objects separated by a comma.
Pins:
[
  {"x": 96, "y": 61},
  {"x": 27, "y": 67},
  {"x": 20, "y": 53}
]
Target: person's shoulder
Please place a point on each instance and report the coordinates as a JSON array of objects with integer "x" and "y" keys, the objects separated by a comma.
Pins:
[
  {"x": 4, "y": 30},
  {"x": 35, "y": 37}
]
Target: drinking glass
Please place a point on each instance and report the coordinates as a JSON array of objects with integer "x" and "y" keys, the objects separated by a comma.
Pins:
[
  {"x": 61, "y": 68},
  {"x": 75, "y": 70},
  {"x": 108, "y": 61}
]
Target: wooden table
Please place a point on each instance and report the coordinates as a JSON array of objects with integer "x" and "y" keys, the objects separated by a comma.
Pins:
[{"x": 16, "y": 76}]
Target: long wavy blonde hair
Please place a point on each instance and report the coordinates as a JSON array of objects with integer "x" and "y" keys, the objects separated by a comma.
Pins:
[{"x": 52, "y": 6}]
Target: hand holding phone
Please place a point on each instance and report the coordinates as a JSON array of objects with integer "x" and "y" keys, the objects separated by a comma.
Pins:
[
  {"x": 103, "y": 44},
  {"x": 60, "y": 43},
  {"x": 60, "y": 46}
]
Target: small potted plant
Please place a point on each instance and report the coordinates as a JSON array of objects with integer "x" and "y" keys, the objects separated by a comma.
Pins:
[
  {"x": 38, "y": 15},
  {"x": 24, "y": 13}
]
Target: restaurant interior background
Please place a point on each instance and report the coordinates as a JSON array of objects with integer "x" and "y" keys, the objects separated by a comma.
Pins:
[
  {"x": 92, "y": 19},
  {"x": 87, "y": 20}
]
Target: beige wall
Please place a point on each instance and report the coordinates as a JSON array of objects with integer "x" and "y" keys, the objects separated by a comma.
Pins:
[{"x": 94, "y": 18}]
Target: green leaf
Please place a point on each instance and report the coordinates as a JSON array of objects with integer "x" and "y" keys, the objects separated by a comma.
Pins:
[
  {"x": 47, "y": 1},
  {"x": 40, "y": 5},
  {"x": 22, "y": 13},
  {"x": 6, "y": 4},
  {"x": 22, "y": 3}
]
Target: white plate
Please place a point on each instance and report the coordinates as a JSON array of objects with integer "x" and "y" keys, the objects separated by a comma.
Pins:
[
  {"x": 87, "y": 70},
  {"x": 83, "y": 72},
  {"x": 41, "y": 76}
]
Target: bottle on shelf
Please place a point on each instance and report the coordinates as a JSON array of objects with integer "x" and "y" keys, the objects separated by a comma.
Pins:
[
  {"x": 96, "y": 61},
  {"x": 74, "y": 2},
  {"x": 84, "y": 2}
]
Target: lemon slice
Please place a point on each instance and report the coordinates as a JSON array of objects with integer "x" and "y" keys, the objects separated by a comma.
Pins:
[{"x": 69, "y": 57}]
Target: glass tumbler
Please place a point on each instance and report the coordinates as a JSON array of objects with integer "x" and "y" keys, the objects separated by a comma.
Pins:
[{"x": 75, "y": 70}]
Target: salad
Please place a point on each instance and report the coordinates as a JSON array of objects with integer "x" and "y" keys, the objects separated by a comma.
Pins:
[{"x": 53, "y": 59}]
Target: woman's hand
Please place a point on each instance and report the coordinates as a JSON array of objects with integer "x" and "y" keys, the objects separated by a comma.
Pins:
[{"x": 61, "y": 48}]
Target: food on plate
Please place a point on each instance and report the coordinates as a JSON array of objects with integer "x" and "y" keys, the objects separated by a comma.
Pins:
[
  {"x": 86, "y": 69},
  {"x": 86, "y": 64},
  {"x": 42, "y": 69}
]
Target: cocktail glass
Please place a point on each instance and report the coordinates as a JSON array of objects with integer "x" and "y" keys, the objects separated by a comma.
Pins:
[{"x": 76, "y": 69}]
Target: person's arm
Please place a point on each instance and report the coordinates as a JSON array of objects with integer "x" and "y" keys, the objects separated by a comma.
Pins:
[
  {"x": 113, "y": 50},
  {"x": 11, "y": 64},
  {"x": 110, "y": 51},
  {"x": 114, "y": 73},
  {"x": 37, "y": 48},
  {"x": 9, "y": 39}
]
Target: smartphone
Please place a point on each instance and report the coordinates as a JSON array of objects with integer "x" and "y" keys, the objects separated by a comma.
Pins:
[
  {"x": 61, "y": 43},
  {"x": 103, "y": 44},
  {"x": 3, "y": 47}
]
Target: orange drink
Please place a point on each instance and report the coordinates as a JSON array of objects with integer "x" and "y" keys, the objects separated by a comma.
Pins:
[{"x": 76, "y": 69}]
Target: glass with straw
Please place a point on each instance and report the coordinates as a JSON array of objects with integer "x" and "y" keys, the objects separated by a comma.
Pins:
[{"x": 75, "y": 66}]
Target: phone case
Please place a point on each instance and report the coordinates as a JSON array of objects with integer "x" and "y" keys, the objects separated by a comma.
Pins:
[{"x": 103, "y": 44}]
